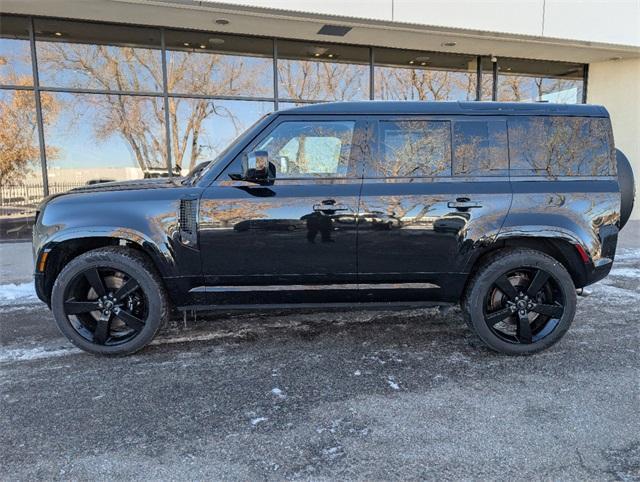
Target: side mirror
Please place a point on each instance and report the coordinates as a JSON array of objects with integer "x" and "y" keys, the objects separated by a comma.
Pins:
[{"x": 257, "y": 168}]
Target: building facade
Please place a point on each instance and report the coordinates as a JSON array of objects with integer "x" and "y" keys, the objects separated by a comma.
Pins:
[{"x": 94, "y": 90}]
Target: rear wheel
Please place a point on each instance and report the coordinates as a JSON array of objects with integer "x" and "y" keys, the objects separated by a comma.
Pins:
[
  {"x": 109, "y": 301},
  {"x": 521, "y": 301}
]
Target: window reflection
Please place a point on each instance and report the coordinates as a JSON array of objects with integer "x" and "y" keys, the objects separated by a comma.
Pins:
[
  {"x": 480, "y": 147},
  {"x": 322, "y": 72},
  {"x": 15, "y": 51},
  {"x": 201, "y": 128},
  {"x": 213, "y": 64},
  {"x": 531, "y": 81},
  {"x": 93, "y": 56},
  {"x": 413, "y": 148},
  {"x": 21, "y": 187},
  {"x": 561, "y": 146},
  {"x": 411, "y": 75},
  {"x": 99, "y": 137}
]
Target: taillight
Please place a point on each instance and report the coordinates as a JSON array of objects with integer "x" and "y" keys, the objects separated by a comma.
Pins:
[{"x": 583, "y": 254}]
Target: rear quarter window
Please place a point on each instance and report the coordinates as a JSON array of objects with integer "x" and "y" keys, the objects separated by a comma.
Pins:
[{"x": 561, "y": 146}]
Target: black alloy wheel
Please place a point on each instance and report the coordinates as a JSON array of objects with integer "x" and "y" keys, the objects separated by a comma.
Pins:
[
  {"x": 524, "y": 305},
  {"x": 520, "y": 301},
  {"x": 109, "y": 301},
  {"x": 106, "y": 306}
]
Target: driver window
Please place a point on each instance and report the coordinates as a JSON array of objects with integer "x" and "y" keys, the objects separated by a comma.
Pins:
[{"x": 310, "y": 148}]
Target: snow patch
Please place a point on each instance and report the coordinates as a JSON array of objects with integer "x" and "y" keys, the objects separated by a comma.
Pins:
[
  {"x": 393, "y": 384},
  {"x": 627, "y": 254},
  {"x": 332, "y": 452},
  {"x": 27, "y": 354},
  {"x": 626, "y": 272},
  {"x": 17, "y": 293},
  {"x": 278, "y": 393},
  {"x": 610, "y": 291}
]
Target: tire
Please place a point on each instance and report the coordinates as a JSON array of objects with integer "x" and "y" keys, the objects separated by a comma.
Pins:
[
  {"x": 627, "y": 187},
  {"x": 548, "y": 310},
  {"x": 115, "y": 314}
]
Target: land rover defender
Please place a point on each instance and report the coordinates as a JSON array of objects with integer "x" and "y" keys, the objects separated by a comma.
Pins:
[{"x": 505, "y": 208}]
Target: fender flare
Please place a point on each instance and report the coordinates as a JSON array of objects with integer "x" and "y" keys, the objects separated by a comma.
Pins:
[{"x": 160, "y": 253}]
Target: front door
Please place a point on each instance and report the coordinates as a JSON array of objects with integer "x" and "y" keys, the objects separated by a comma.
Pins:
[
  {"x": 294, "y": 240},
  {"x": 434, "y": 190}
]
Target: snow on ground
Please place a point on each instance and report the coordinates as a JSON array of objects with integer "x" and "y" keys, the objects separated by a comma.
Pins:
[
  {"x": 17, "y": 293},
  {"x": 38, "y": 353},
  {"x": 626, "y": 272}
]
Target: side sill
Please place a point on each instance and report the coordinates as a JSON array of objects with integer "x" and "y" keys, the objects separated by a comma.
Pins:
[{"x": 304, "y": 306}]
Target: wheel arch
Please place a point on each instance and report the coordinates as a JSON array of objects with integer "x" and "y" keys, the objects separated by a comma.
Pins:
[
  {"x": 70, "y": 245},
  {"x": 562, "y": 248}
]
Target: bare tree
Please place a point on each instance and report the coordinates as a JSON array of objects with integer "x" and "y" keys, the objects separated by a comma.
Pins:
[{"x": 138, "y": 120}]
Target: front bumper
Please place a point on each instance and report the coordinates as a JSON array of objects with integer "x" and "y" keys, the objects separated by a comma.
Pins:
[{"x": 41, "y": 291}]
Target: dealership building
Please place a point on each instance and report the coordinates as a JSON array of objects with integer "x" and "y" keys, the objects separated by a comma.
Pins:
[{"x": 98, "y": 90}]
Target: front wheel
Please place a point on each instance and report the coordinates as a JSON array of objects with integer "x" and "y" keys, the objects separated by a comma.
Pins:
[
  {"x": 521, "y": 301},
  {"x": 109, "y": 301}
]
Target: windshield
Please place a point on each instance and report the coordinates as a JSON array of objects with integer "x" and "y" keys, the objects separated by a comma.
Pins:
[{"x": 201, "y": 169}]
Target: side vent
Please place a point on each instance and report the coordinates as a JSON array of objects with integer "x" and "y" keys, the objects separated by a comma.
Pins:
[{"x": 188, "y": 222}]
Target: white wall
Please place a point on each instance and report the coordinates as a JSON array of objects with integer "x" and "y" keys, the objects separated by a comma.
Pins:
[
  {"x": 607, "y": 21},
  {"x": 616, "y": 85}
]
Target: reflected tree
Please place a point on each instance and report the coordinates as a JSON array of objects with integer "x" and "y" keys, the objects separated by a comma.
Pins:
[
  {"x": 19, "y": 149},
  {"x": 519, "y": 88},
  {"x": 393, "y": 83},
  {"x": 140, "y": 70},
  {"x": 313, "y": 80}
]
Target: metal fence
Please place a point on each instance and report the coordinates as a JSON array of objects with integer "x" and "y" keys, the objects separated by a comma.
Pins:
[
  {"x": 26, "y": 197},
  {"x": 18, "y": 204}
]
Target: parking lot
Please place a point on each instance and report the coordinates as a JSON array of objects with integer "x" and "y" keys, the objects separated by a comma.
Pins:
[{"x": 325, "y": 395}]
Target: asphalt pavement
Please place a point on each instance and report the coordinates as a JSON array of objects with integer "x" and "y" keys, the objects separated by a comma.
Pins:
[{"x": 326, "y": 395}]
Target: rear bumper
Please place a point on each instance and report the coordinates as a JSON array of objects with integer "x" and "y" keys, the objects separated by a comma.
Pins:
[
  {"x": 596, "y": 273},
  {"x": 600, "y": 267}
]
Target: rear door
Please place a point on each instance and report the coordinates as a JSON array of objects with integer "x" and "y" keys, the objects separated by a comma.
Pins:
[
  {"x": 434, "y": 189},
  {"x": 295, "y": 240}
]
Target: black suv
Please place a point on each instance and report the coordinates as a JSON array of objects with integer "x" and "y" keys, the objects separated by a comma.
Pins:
[{"x": 508, "y": 208}]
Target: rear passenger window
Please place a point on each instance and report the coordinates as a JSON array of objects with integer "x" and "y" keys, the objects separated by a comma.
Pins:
[
  {"x": 480, "y": 148},
  {"x": 412, "y": 148},
  {"x": 560, "y": 146}
]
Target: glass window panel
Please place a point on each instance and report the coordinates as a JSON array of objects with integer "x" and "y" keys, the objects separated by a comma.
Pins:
[
  {"x": 21, "y": 186},
  {"x": 480, "y": 148},
  {"x": 308, "y": 71},
  {"x": 521, "y": 80},
  {"x": 202, "y": 128},
  {"x": 214, "y": 64},
  {"x": 414, "y": 75},
  {"x": 310, "y": 148},
  {"x": 15, "y": 52},
  {"x": 413, "y": 148},
  {"x": 99, "y": 137},
  {"x": 561, "y": 146},
  {"x": 97, "y": 56}
]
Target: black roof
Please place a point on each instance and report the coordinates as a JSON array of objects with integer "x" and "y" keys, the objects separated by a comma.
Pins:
[{"x": 447, "y": 108}]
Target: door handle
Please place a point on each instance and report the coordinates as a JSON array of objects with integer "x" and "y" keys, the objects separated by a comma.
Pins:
[
  {"x": 329, "y": 207},
  {"x": 463, "y": 203}
]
